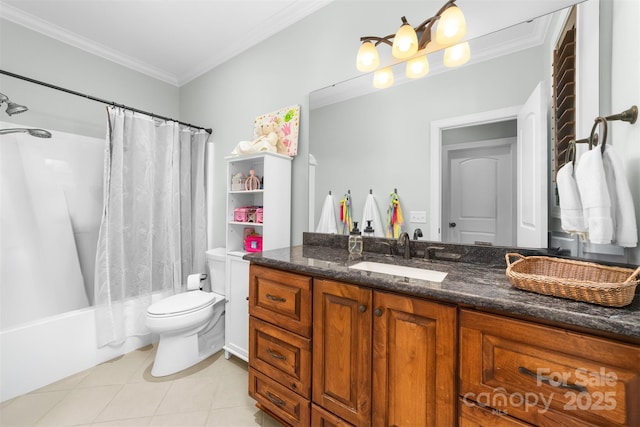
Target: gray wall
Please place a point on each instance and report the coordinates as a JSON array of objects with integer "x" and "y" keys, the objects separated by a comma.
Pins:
[{"x": 34, "y": 55}]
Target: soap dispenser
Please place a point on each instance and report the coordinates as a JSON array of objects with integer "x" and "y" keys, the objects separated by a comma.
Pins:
[
  {"x": 355, "y": 240},
  {"x": 368, "y": 230}
]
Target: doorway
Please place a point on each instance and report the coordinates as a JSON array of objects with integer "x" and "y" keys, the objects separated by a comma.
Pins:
[
  {"x": 531, "y": 222},
  {"x": 478, "y": 197}
]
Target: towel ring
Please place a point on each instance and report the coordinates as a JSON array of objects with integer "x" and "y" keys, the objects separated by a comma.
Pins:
[{"x": 598, "y": 120}]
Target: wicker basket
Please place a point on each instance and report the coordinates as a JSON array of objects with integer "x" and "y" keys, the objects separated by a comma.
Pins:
[{"x": 576, "y": 280}]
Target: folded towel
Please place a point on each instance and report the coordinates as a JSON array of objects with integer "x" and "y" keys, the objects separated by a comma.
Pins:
[
  {"x": 327, "y": 223},
  {"x": 622, "y": 210},
  {"x": 596, "y": 203},
  {"x": 571, "y": 215},
  {"x": 371, "y": 213}
]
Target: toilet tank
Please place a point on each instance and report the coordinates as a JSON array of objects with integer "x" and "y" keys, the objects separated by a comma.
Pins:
[{"x": 216, "y": 261}]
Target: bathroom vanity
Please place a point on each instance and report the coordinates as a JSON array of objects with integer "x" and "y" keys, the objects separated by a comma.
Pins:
[{"x": 332, "y": 345}]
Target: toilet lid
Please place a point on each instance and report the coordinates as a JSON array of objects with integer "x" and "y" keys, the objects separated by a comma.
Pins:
[{"x": 184, "y": 302}]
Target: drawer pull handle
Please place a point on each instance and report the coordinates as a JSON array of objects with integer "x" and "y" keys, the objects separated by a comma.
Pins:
[
  {"x": 275, "y": 399},
  {"x": 378, "y": 312},
  {"x": 276, "y": 355},
  {"x": 276, "y": 298},
  {"x": 362, "y": 308},
  {"x": 549, "y": 381}
]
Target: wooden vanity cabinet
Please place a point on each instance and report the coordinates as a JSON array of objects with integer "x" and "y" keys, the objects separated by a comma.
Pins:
[
  {"x": 383, "y": 359},
  {"x": 280, "y": 344},
  {"x": 544, "y": 375},
  {"x": 327, "y": 353}
]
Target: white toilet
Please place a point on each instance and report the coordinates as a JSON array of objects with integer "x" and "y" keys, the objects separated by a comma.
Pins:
[{"x": 190, "y": 324}]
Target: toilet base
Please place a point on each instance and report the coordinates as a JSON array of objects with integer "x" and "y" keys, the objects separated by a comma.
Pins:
[{"x": 177, "y": 353}]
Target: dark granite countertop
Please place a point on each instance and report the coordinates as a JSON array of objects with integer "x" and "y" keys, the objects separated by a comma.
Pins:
[{"x": 483, "y": 286}]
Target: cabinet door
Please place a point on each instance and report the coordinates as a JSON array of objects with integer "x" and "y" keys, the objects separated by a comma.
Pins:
[
  {"x": 413, "y": 362},
  {"x": 236, "y": 340},
  {"x": 342, "y": 350}
]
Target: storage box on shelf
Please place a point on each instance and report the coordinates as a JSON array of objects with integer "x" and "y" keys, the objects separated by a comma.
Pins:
[{"x": 256, "y": 220}]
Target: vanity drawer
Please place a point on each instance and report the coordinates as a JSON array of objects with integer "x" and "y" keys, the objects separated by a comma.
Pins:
[
  {"x": 281, "y": 355},
  {"x": 281, "y": 298},
  {"x": 474, "y": 415},
  {"x": 548, "y": 375},
  {"x": 274, "y": 398}
]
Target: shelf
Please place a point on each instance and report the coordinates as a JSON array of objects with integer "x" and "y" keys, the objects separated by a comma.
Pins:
[
  {"x": 246, "y": 191},
  {"x": 257, "y": 224}
]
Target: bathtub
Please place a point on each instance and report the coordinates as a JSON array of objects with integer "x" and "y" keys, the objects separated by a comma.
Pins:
[{"x": 44, "y": 351}]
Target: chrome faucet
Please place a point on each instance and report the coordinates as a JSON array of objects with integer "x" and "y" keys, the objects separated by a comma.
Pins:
[{"x": 405, "y": 242}]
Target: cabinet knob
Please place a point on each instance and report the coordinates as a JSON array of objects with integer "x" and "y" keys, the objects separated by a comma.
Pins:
[
  {"x": 378, "y": 312},
  {"x": 362, "y": 308}
]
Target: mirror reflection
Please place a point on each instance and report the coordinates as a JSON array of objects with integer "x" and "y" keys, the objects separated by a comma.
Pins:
[{"x": 449, "y": 142}]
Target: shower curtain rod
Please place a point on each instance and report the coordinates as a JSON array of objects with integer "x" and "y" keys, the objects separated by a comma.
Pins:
[{"x": 93, "y": 98}]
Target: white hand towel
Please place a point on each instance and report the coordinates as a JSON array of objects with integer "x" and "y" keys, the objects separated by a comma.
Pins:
[
  {"x": 571, "y": 215},
  {"x": 371, "y": 213},
  {"x": 327, "y": 223},
  {"x": 596, "y": 203},
  {"x": 622, "y": 210}
]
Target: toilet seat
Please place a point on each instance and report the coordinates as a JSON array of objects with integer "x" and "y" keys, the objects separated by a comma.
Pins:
[{"x": 180, "y": 304}]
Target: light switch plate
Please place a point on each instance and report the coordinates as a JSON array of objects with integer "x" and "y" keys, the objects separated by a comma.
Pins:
[{"x": 418, "y": 217}]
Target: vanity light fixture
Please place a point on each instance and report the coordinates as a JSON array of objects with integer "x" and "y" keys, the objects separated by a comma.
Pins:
[{"x": 409, "y": 41}]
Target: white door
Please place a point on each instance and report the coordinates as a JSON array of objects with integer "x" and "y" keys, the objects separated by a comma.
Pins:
[
  {"x": 236, "y": 337},
  {"x": 531, "y": 224},
  {"x": 478, "y": 196}
]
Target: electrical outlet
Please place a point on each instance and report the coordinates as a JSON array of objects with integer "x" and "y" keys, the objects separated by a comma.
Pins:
[{"x": 418, "y": 217}]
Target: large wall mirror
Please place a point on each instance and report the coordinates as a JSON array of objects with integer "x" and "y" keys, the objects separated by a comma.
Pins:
[{"x": 417, "y": 135}]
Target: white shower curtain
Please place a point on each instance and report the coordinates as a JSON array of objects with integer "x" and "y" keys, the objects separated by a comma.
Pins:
[{"x": 153, "y": 230}]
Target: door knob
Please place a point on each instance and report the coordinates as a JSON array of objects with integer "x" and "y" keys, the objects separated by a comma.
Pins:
[{"x": 452, "y": 224}]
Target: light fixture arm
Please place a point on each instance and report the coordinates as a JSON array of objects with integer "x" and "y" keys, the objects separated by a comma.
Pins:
[
  {"x": 378, "y": 40},
  {"x": 424, "y": 28}
]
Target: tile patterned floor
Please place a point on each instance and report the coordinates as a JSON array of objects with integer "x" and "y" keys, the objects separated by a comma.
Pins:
[{"x": 123, "y": 393}]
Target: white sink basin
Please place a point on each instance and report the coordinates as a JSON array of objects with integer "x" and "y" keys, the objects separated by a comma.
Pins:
[{"x": 400, "y": 270}]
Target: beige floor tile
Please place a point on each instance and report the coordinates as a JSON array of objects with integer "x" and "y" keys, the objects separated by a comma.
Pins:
[
  {"x": 68, "y": 383},
  {"x": 242, "y": 416},
  {"x": 80, "y": 406},
  {"x": 231, "y": 390},
  {"x": 134, "y": 401},
  {"x": 218, "y": 366},
  {"x": 188, "y": 395},
  {"x": 28, "y": 409},
  {"x": 186, "y": 419},
  {"x": 117, "y": 371},
  {"x": 130, "y": 422},
  {"x": 268, "y": 421}
]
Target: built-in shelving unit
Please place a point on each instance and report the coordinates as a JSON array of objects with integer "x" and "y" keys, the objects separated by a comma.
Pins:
[{"x": 275, "y": 199}]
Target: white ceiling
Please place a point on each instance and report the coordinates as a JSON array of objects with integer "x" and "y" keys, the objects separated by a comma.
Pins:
[{"x": 174, "y": 41}]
